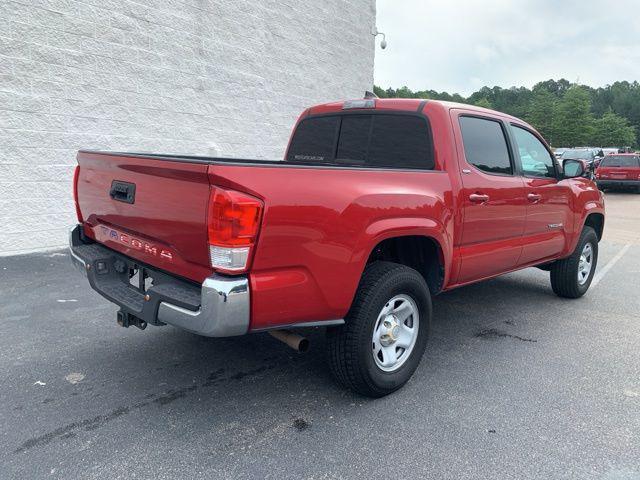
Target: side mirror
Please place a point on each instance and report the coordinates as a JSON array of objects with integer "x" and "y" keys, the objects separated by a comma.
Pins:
[{"x": 573, "y": 168}]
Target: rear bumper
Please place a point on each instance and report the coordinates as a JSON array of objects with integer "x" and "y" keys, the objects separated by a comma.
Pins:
[
  {"x": 220, "y": 307},
  {"x": 617, "y": 183}
]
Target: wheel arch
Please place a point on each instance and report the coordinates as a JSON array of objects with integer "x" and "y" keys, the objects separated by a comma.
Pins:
[
  {"x": 595, "y": 220},
  {"x": 422, "y": 252}
]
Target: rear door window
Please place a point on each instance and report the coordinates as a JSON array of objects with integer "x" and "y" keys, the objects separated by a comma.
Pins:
[
  {"x": 485, "y": 145},
  {"x": 371, "y": 140}
]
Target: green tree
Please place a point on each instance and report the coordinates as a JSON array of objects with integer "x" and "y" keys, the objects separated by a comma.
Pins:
[
  {"x": 572, "y": 119},
  {"x": 613, "y": 130},
  {"x": 540, "y": 113},
  {"x": 555, "y": 87},
  {"x": 563, "y": 112},
  {"x": 379, "y": 91},
  {"x": 483, "y": 102}
]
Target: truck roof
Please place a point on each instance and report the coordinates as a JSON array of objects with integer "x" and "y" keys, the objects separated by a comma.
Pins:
[{"x": 407, "y": 104}]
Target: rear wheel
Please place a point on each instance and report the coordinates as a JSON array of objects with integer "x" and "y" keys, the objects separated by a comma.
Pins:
[
  {"x": 385, "y": 333},
  {"x": 571, "y": 277}
]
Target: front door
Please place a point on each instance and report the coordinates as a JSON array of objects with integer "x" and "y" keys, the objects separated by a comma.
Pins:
[
  {"x": 548, "y": 199},
  {"x": 493, "y": 199}
]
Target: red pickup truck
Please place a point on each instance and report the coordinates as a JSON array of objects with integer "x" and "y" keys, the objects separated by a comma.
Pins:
[{"x": 378, "y": 205}]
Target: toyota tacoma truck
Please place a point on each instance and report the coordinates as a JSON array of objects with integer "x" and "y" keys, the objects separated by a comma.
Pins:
[{"x": 378, "y": 205}]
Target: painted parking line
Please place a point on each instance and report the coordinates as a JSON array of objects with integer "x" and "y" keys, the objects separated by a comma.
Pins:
[{"x": 600, "y": 275}]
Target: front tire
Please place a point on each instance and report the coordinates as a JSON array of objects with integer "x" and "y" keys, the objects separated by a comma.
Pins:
[
  {"x": 385, "y": 333},
  {"x": 571, "y": 276}
]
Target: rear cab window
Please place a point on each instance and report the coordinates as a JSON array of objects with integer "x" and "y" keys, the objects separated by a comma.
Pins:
[{"x": 385, "y": 140}]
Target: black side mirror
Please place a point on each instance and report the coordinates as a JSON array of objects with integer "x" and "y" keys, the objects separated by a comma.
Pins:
[{"x": 573, "y": 168}]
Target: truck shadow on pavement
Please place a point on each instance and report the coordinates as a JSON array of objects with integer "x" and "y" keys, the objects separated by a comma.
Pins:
[{"x": 217, "y": 381}]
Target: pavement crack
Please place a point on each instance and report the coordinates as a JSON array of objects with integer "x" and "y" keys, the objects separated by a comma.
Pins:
[
  {"x": 70, "y": 430},
  {"x": 495, "y": 333}
]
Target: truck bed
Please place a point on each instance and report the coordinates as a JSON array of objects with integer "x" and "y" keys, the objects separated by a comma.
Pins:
[{"x": 318, "y": 219}]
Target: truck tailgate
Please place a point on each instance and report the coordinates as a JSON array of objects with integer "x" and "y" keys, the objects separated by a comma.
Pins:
[{"x": 152, "y": 210}]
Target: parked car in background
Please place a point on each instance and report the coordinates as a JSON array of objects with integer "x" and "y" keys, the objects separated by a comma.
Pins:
[
  {"x": 378, "y": 205},
  {"x": 586, "y": 154},
  {"x": 619, "y": 170},
  {"x": 597, "y": 152},
  {"x": 610, "y": 150}
]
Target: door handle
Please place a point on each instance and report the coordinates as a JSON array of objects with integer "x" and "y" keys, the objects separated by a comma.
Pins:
[
  {"x": 479, "y": 198},
  {"x": 534, "y": 197}
]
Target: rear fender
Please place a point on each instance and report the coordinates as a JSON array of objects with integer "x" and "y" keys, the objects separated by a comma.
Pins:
[{"x": 384, "y": 229}]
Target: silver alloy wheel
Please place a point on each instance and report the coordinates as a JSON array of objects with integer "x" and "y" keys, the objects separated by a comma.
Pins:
[
  {"x": 585, "y": 264},
  {"x": 395, "y": 333}
]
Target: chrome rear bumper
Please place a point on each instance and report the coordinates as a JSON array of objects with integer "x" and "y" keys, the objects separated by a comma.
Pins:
[{"x": 220, "y": 307}]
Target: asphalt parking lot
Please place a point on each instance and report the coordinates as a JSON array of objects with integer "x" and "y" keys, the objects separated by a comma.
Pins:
[{"x": 516, "y": 383}]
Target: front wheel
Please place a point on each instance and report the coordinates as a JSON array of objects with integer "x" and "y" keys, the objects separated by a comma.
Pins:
[
  {"x": 571, "y": 276},
  {"x": 385, "y": 333}
]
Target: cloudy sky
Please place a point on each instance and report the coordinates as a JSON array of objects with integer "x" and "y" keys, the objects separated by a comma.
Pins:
[{"x": 462, "y": 45}]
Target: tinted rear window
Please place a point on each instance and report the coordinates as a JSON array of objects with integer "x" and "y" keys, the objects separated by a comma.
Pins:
[
  {"x": 314, "y": 140},
  {"x": 485, "y": 145},
  {"x": 354, "y": 138},
  {"x": 373, "y": 140},
  {"x": 620, "y": 161},
  {"x": 401, "y": 141}
]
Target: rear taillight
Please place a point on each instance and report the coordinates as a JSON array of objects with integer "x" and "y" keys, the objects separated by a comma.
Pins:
[
  {"x": 76, "y": 174},
  {"x": 233, "y": 222}
]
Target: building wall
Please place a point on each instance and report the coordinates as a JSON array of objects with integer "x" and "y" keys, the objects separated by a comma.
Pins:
[{"x": 209, "y": 77}]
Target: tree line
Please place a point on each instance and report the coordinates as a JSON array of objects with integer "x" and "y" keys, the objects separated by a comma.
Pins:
[{"x": 566, "y": 114}]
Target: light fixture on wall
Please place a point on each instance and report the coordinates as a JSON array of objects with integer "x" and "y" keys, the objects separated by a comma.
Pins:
[{"x": 375, "y": 33}]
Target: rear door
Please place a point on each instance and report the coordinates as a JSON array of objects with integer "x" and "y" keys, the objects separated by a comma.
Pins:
[
  {"x": 548, "y": 198},
  {"x": 493, "y": 198}
]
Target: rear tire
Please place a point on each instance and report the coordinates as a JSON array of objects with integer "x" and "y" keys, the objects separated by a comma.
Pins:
[
  {"x": 377, "y": 350},
  {"x": 571, "y": 276}
]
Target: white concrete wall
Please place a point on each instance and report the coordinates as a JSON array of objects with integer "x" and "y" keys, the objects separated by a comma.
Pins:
[{"x": 212, "y": 77}]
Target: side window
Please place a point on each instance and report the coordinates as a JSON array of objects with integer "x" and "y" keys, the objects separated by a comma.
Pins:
[
  {"x": 485, "y": 145},
  {"x": 535, "y": 159}
]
